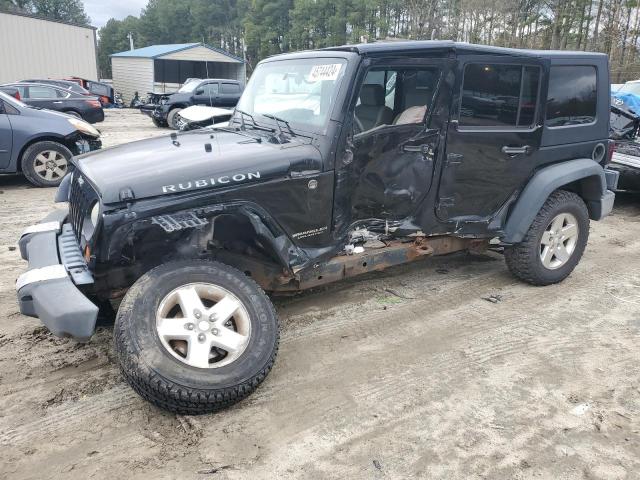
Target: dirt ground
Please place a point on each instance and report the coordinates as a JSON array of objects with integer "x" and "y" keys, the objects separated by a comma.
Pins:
[{"x": 447, "y": 369}]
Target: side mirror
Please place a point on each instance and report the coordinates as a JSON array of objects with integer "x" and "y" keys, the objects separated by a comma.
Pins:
[{"x": 199, "y": 91}]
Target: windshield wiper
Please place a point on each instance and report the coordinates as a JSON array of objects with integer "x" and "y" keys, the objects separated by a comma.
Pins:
[
  {"x": 253, "y": 121},
  {"x": 278, "y": 120}
]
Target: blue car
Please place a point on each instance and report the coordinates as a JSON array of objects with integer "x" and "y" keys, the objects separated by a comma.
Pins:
[{"x": 40, "y": 143}]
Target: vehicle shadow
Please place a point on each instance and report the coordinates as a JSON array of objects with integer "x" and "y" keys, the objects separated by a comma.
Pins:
[{"x": 14, "y": 181}]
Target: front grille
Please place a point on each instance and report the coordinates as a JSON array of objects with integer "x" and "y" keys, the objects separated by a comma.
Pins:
[{"x": 80, "y": 200}]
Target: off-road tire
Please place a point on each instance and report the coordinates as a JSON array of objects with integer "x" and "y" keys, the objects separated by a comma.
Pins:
[
  {"x": 29, "y": 158},
  {"x": 172, "y": 117},
  {"x": 523, "y": 259},
  {"x": 174, "y": 385}
]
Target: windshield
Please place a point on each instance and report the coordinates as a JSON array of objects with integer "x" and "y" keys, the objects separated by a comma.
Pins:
[
  {"x": 301, "y": 92},
  {"x": 630, "y": 88},
  {"x": 189, "y": 86}
]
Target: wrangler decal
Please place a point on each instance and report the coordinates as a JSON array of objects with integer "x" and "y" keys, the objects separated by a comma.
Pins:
[{"x": 310, "y": 233}]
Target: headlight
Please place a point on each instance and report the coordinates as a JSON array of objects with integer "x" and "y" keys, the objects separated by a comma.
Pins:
[
  {"x": 91, "y": 221},
  {"x": 95, "y": 212},
  {"x": 84, "y": 127}
]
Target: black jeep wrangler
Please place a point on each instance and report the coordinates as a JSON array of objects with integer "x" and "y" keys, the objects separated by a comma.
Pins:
[
  {"x": 335, "y": 163},
  {"x": 163, "y": 109}
]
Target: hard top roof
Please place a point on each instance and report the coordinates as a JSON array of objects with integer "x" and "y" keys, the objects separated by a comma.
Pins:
[{"x": 385, "y": 47}]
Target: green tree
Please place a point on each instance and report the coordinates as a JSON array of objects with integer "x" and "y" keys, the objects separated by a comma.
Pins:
[
  {"x": 65, "y": 10},
  {"x": 113, "y": 39}
]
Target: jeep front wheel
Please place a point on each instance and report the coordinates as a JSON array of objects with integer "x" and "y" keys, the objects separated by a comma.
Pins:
[
  {"x": 195, "y": 336},
  {"x": 554, "y": 243}
]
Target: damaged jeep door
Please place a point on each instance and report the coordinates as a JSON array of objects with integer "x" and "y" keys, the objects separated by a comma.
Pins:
[{"x": 393, "y": 147}]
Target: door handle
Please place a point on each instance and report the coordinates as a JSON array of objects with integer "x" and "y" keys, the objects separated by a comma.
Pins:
[
  {"x": 424, "y": 149},
  {"x": 513, "y": 151}
]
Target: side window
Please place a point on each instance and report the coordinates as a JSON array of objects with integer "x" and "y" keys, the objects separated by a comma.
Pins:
[
  {"x": 211, "y": 89},
  {"x": 498, "y": 95},
  {"x": 230, "y": 88},
  {"x": 395, "y": 97},
  {"x": 572, "y": 96},
  {"x": 37, "y": 92},
  {"x": 10, "y": 109}
]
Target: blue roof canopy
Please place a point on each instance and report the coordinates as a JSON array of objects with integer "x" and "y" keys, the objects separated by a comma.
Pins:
[{"x": 155, "y": 51}]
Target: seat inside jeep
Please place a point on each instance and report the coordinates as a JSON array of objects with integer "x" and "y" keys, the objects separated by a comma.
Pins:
[{"x": 395, "y": 97}]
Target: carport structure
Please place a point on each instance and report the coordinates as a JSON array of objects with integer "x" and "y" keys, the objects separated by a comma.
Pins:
[{"x": 163, "y": 68}]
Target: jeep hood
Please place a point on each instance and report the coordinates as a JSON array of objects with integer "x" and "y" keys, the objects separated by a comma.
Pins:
[{"x": 198, "y": 160}]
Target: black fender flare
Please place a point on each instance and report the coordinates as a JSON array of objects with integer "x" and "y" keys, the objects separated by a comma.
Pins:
[{"x": 544, "y": 182}]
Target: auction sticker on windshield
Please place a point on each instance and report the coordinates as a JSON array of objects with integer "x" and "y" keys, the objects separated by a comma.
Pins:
[{"x": 329, "y": 71}]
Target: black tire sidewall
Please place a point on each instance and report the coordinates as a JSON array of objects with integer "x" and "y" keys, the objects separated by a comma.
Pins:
[
  {"x": 137, "y": 316},
  {"x": 581, "y": 215},
  {"x": 29, "y": 156}
]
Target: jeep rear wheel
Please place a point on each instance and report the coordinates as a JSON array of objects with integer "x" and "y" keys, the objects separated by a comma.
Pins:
[
  {"x": 195, "y": 336},
  {"x": 554, "y": 243}
]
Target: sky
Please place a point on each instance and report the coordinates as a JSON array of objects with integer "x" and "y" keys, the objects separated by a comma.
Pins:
[{"x": 100, "y": 10}]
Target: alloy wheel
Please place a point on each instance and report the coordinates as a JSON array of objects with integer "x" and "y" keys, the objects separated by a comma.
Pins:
[
  {"x": 203, "y": 325},
  {"x": 559, "y": 241},
  {"x": 50, "y": 165}
]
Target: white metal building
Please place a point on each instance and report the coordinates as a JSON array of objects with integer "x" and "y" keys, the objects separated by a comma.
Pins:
[
  {"x": 33, "y": 47},
  {"x": 163, "y": 68}
]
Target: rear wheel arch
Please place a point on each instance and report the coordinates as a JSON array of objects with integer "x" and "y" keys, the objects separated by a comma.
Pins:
[{"x": 581, "y": 176}]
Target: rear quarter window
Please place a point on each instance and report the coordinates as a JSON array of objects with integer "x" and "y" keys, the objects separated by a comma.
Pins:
[{"x": 571, "y": 100}]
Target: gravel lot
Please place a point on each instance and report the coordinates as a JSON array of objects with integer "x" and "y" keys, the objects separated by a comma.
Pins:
[{"x": 410, "y": 373}]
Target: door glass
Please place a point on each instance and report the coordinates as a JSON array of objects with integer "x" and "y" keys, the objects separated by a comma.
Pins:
[
  {"x": 211, "y": 89},
  {"x": 529, "y": 98},
  {"x": 395, "y": 97},
  {"x": 498, "y": 95},
  {"x": 490, "y": 95},
  {"x": 572, "y": 96},
  {"x": 37, "y": 92},
  {"x": 230, "y": 88}
]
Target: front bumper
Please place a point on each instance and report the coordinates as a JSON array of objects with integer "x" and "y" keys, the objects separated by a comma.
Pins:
[
  {"x": 48, "y": 290},
  {"x": 159, "y": 112},
  {"x": 87, "y": 144}
]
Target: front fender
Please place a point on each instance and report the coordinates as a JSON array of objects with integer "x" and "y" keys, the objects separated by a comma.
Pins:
[
  {"x": 545, "y": 182},
  {"x": 126, "y": 226}
]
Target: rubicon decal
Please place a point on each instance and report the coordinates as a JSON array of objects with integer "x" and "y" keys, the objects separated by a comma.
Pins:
[{"x": 209, "y": 182}]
